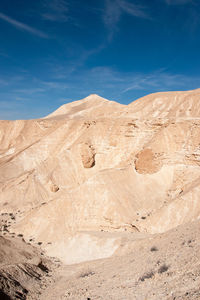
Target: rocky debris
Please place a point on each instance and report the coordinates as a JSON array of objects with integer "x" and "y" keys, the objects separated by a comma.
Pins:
[{"x": 23, "y": 272}]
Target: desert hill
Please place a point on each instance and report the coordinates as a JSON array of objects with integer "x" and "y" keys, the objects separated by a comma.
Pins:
[
  {"x": 100, "y": 198},
  {"x": 95, "y": 165}
]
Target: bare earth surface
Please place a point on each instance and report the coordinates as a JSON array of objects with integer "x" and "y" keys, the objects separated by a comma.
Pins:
[{"x": 101, "y": 201}]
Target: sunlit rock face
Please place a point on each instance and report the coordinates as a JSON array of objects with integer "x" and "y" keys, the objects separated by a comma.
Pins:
[{"x": 97, "y": 165}]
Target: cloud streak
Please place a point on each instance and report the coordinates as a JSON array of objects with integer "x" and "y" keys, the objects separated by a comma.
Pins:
[
  {"x": 122, "y": 86},
  {"x": 43, "y": 96},
  {"x": 115, "y": 8},
  {"x": 22, "y": 26},
  {"x": 178, "y": 2},
  {"x": 56, "y": 10},
  {"x": 158, "y": 81},
  {"x": 3, "y": 82}
]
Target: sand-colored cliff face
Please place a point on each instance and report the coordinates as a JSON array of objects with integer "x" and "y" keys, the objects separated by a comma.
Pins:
[{"x": 96, "y": 165}]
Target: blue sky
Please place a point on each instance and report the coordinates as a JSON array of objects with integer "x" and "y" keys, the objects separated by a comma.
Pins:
[{"x": 57, "y": 51}]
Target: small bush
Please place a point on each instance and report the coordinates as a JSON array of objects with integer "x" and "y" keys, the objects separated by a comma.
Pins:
[
  {"x": 147, "y": 276},
  {"x": 86, "y": 274},
  {"x": 39, "y": 243},
  {"x": 163, "y": 269},
  {"x": 154, "y": 248}
]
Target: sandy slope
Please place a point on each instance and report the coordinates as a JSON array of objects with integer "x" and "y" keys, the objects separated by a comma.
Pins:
[
  {"x": 145, "y": 267},
  {"x": 164, "y": 266}
]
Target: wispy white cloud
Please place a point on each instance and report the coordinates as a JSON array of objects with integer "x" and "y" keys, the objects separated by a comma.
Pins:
[
  {"x": 133, "y": 9},
  {"x": 158, "y": 80},
  {"x": 77, "y": 62},
  {"x": 22, "y": 26},
  {"x": 55, "y": 10},
  {"x": 3, "y": 54},
  {"x": 11, "y": 109},
  {"x": 16, "y": 109},
  {"x": 30, "y": 91},
  {"x": 3, "y": 82},
  {"x": 10, "y": 80},
  {"x": 125, "y": 85},
  {"x": 178, "y": 2},
  {"x": 122, "y": 85},
  {"x": 20, "y": 93},
  {"x": 54, "y": 85},
  {"x": 115, "y": 8},
  {"x": 40, "y": 87},
  {"x": 22, "y": 99}
]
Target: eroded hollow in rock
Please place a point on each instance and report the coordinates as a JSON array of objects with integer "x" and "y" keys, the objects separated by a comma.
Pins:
[
  {"x": 147, "y": 162},
  {"x": 54, "y": 188},
  {"x": 87, "y": 155}
]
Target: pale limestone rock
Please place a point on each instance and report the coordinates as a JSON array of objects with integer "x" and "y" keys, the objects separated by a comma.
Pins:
[{"x": 117, "y": 168}]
